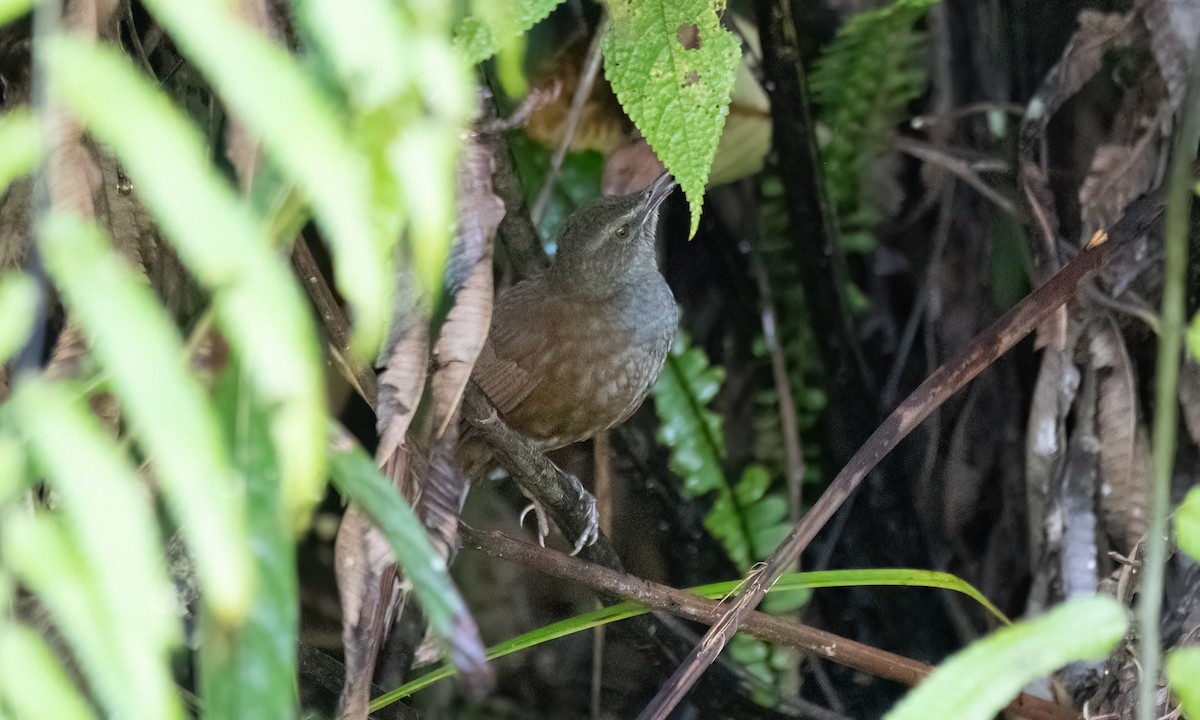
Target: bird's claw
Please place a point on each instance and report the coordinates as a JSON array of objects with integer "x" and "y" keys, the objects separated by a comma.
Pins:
[
  {"x": 543, "y": 524},
  {"x": 591, "y": 533}
]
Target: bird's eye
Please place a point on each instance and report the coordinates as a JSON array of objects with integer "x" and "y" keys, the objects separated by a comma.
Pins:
[{"x": 623, "y": 231}]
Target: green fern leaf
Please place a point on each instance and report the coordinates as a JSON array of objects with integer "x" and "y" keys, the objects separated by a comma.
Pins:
[{"x": 863, "y": 83}]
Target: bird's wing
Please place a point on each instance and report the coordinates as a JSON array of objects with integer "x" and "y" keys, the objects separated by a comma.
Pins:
[{"x": 513, "y": 360}]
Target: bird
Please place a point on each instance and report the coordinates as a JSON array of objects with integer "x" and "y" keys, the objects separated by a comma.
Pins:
[{"x": 574, "y": 350}]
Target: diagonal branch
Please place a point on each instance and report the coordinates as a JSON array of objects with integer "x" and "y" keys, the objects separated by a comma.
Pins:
[{"x": 948, "y": 379}]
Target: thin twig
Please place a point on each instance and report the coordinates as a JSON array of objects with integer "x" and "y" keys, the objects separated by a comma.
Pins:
[
  {"x": 1166, "y": 413},
  {"x": 602, "y": 455},
  {"x": 793, "y": 448},
  {"x": 587, "y": 77},
  {"x": 948, "y": 379},
  {"x": 775, "y": 630},
  {"x": 956, "y": 166},
  {"x": 334, "y": 320}
]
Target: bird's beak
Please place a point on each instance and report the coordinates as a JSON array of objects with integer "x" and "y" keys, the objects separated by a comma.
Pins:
[{"x": 658, "y": 191}]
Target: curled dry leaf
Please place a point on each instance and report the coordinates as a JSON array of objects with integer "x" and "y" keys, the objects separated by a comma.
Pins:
[
  {"x": 1189, "y": 396},
  {"x": 603, "y": 126},
  {"x": 631, "y": 169},
  {"x": 1046, "y": 440},
  {"x": 1174, "y": 27},
  {"x": 401, "y": 386},
  {"x": 1081, "y": 59},
  {"x": 368, "y": 589},
  {"x": 1079, "y": 547},
  {"x": 1124, "y": 447},
  {"x": 1130, "y": 162},
  {"x": 469, "y": 279}
]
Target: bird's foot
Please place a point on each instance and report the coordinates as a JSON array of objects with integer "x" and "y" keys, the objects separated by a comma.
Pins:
[
  {"x": 543, "y": 523},
  {"x": 591, "y": 531}
]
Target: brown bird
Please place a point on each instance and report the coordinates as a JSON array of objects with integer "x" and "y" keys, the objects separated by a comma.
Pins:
[{"x": 575, "y": 349}]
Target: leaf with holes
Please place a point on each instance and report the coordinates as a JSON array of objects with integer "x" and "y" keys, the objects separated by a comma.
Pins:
[{"x": 672, "y": 66}]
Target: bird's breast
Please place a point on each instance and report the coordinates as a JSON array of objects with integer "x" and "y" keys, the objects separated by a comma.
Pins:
[{"x": 601, "y": 360}]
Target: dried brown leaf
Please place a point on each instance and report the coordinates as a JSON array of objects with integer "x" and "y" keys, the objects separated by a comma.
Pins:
[
  {"x": 1081, "y": 59},
  {"x": 1124, "y": 449},
  {"x": 1118, "y": 176},
  {"x": 469, "y": 278},
  {"x": 1079, "y": 544},
  {"x": 1046, "y": 440},
  {"x": 1189, "y": 397},
  {"x": 631, "y": 169},
  {"x": 1131, "y": 160},
  {"x": 368, "y": 589},
  {"x": 1174, "y": 27},
  {"x": 401, "y": 386}
]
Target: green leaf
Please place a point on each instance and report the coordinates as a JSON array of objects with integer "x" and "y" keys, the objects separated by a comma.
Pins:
[
  {"x": 1183, "y": 676},
  {"x": 301, "y": 130},
  {"x": 1187, "y": 524},
  {"x": 259, "y": 307},
  {"x": 498, "y": 22},
  {"x": 44, "y": 690},
  {"x": 18, "y": 301},
  {"x": 251, "y": 672},
  {"x": 789, "y": 583},
  {"x": 863, "y": 83},
  {"x": 979, "y": 681},
  {"x": 68, "y": 578},
  {"x": 672, "y": 67},
  {"x": 130, "y": 589},
  {"x": 357, "y": 476},
  {"x": 134, "y": 339},
  {"x": 20, "y": 144},
  {"x": 1193, "y": 338},
  {"x": 694, "y": 435}
]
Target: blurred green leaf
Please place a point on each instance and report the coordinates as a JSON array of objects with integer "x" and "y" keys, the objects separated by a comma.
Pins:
[
  {"x": 44, "y": 690},
  {"x": 18, "y": 302},
  {"x": 1187, "y": 524},
  {"x": 20, "y": 143},
  {"x": 97, "y": 485},
  {"x": 301, "y": 129},
  {"x": 1183, "y": 676},
  {"x": 250, "y": 673},
  {"x": 976, "y": 683},
  {"x": 1193, "y": 338},
  {"x": 67, "y": 578},
  {"x": 357, "y": 476},
  {"x": 863, "y": 83},
  {"x": 495, "y": 23},
  {"x": 672, "y": 67},
  {"x": 259, "y": 307},
  {"x": 136, "y": 342}
]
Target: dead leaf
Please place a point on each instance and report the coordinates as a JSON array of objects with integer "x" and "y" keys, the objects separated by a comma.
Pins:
[
  {"x": 1124, "y": 449},
  {"x": 1053, "y": 395},
  {"x": 631, "y": 169},
  {"x": 469, "y": 279},
  {"x": 1174, "y": 27},
  {"x": 1189, "y": 396},
  {"x": 369, "y": 590},
  {"x": 1130, "y": 162},
  {"x": 1079, "y": 543},
  {"x": 1081, "y": 59}
]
